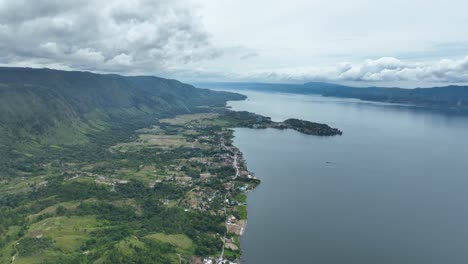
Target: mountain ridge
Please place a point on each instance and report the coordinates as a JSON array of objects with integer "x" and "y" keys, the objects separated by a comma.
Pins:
[
  {"x": 44, "y": 112},
  {"x": 36, "y": 100}
]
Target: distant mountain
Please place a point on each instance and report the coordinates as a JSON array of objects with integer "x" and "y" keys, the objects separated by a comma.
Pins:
[
  {"x": 62, "y": 107},
  {"x": 448, "y": 98},
  {"x": 454, "y": 98}
]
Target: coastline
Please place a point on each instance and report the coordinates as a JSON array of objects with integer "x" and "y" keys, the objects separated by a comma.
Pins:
[
  {"x": 240, "y": 164},
  {"x": 244, "y": 180},
  {"x": 234, "y": 227},
  {"x": 246, "y": 192},
  {"x": 243, "y": 223}
]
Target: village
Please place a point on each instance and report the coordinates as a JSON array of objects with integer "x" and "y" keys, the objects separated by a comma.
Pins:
[
  {"x": 234, "y": 187},
  {"x": 191, "y": 165},
  {"x": 215, "y": 183}
]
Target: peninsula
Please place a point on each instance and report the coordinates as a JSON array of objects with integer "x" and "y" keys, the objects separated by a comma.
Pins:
[{"x": 113, "y": 169}]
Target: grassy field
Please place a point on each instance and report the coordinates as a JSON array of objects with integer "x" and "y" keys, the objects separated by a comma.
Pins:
[
  {"x": 242, "y": 209},
  {"x": 150, "y": 140},
  {"x": 241, "y": 198},
  {"x": 183, "y": 244},
  {"x": 68, "y": 233},
  {"x": 231, "y": 253},
  {"x": 184, "y": 119},
  {"x": 19, "y": 184},
  {"x": 53, "y": 208},
  {"x": 125, "y": 246},
  {"x": 151, "y": 130},
  {"x": 8, "y": 251}
]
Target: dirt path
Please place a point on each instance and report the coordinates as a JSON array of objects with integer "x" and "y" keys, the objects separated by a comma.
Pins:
[{"x": 13, "y": 258}]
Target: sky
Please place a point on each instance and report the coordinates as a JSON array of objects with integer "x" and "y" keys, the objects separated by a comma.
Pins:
[{"x": 413, "y": 43}]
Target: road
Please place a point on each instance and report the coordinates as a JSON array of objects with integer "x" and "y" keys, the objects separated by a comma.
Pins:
[
  {"x": 235, "y": 164},
  {"x": 236, "y": 154},
  {"x": 221, "y": 256}
]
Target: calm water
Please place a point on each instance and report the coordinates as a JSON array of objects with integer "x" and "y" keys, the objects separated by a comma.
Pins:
[{"x": 392, "y": 189}]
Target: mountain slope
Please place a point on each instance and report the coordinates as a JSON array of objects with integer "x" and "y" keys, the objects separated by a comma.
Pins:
[
  {"x": 46, "y": 113},
  {"x": 43, "y": 104}
]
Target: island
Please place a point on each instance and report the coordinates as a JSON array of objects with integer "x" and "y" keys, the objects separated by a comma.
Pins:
[{"x": 309, "y": 128}]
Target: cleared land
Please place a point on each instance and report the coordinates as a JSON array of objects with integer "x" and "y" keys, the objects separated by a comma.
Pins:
[{"x": 150, "y": 140}]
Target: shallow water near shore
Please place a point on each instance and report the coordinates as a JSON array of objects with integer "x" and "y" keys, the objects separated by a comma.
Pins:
[{"x": 392, "y": 189}]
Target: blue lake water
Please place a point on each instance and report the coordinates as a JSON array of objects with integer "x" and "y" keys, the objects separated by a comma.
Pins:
[{"x": 392, "y": 189}]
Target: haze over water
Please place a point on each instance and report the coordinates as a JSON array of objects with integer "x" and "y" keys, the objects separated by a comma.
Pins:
[{"x": 392, "y": 189}]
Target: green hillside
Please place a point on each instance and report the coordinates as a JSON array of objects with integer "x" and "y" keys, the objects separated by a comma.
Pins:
[{"x": 43, "y": 108}]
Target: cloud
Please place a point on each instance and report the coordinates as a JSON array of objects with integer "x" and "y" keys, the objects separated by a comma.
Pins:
[
  {"x": 385, "y": 69},
  {"x": 144, "y": 36}
]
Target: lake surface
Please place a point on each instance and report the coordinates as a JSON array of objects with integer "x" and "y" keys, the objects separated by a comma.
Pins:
[{"x": 392, "y": 189}]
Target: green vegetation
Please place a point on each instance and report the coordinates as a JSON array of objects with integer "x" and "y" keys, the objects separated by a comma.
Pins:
[
  {"x": 91, "y": 171},
  {"x": 68, "y": 233},
  {"x": 33, "y": 246},
  {"x": 44, "y": 110},
  {"x": 111, "y": 169},
  {"x": 242, "y": 210},
  {"x": 127, "y": 188},
  {"x": 251, "y": 120},
  {"x": 232, "y": 254},
  {"x": 241, "y": 198},
  {"x": 184, "y": 119},
  {"x": 183, "y": 243},
  {"x": 310, "y": 128}
]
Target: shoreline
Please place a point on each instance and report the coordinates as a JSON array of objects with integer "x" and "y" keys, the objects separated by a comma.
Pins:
[
  {"x": 240, "y": 157},
  {"x": 242, "y": 183},
  {"x": 240, "y": 164}
]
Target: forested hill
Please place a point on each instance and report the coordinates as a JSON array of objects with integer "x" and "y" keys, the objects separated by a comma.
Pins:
[
  {"x": 448, "y": 98},
  {"x": 61, "y": 107},
  {"x": 453, "y": 98}
]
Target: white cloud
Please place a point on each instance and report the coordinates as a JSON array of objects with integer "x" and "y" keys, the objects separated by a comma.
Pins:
[
  {"x": 386, "y": 69},
  {"x": 122, "y": 59}
]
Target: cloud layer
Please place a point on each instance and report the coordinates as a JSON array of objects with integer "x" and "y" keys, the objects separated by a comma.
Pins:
[
  {"x": 100, "y": 35},
  {"x": 386, "y": 69}
]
